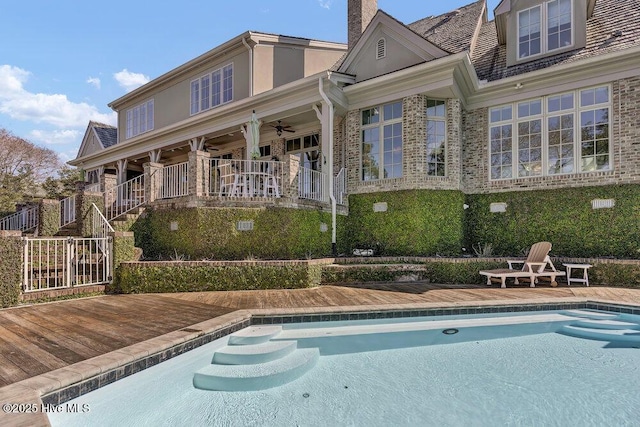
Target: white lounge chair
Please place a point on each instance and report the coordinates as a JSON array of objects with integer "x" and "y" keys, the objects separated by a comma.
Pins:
[{"x": 537, "y": 266}]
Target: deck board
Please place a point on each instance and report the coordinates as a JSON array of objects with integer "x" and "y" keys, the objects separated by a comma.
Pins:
[{"x": 38, "y": 338}]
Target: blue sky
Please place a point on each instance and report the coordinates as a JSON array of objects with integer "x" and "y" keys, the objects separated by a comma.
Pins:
[{"x": 62, "y": 62}]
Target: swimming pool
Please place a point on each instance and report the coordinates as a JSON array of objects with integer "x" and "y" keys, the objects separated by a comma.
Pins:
[{"x": 497, "y": 369}]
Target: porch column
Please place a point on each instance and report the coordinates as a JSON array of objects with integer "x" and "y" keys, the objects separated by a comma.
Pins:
[
  {"x": 199, "y": 173},
  {"x": 326, "y": 163},
  {"x": 84, "y": 200},
  {"x": 107, "y": 182},
  {"x": 152, "y": 181},
  {"x": 290, "y": 174},
  {"x": 48, "y": 217},
  {"x": 121, "y": 168}
]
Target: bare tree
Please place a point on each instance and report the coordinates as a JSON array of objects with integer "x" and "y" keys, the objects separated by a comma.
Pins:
[{"x": 23, "y": 167}]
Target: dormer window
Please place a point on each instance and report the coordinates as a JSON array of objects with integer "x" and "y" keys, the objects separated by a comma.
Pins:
[
  {"x": 544, "y": 28},
  {"x": 381, "y": 50}
]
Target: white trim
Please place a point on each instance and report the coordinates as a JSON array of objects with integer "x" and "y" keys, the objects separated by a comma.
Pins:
[{"x": 544, "y": 32}]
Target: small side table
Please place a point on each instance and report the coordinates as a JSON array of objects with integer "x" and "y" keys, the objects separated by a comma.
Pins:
[{"x": 584, "y": 279}]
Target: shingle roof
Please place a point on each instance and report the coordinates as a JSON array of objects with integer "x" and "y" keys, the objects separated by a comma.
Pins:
[
  {"x": 489, "y": 58},
  {"x": 108, "y": 134},
  {"x": 452, "y": 31}
]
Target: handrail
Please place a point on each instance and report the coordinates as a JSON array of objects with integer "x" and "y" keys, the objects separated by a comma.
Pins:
[
  {"x": 67, "y": 210},
  {"x": 175, "y": 180},
  {"x": 246, "y": 178},
  {"x": 24, "y": 220},
  {"x": 312, "y": 185},
  {"x": 100, "y": 227},
  {"x": 124, "y": 197},
  {"x": 340, "y": 186}
]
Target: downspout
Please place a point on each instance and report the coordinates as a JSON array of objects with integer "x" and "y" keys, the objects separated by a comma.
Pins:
[
  {"x": 332, "y": 197},
  {"x": 244, "y": 42}
]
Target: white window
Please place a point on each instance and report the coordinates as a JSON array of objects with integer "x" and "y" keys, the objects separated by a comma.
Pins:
[
  {"x": 381, "y": 155},
  {"x": 436, "y": 137},
  {"x": 546, "y": 139},
  {"x": 139, "y": 119},
  {"x": 545, "y": 28},
  {"x": 381, "y": 49},
  {"x": 212, "y": 89}
]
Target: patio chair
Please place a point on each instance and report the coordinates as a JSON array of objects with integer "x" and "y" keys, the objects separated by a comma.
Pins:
[{"x": 537, "y": 266}]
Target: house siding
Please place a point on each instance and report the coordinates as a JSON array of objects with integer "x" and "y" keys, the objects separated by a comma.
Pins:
[{"x": 625, "y": 150}]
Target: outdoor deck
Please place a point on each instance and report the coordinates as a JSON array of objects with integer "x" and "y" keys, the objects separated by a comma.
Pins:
[{"x": 41, "y": 338}]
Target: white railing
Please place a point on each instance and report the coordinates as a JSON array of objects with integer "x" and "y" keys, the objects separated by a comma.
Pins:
[
  {"x": 24, "y": 220},
  {"x": 340, "y": 187},
  {"x": 246, "y": 178},
  {"x": 124, "y": 197},
  {"x": 55, "y": 263},
  {"x": 100, "y": 227},
  {"x": 175, "y": 180},
  {"x": 67, "y": 210},
  {"x": 92, "y": 188},
  {"x": 312, "y": 185}
]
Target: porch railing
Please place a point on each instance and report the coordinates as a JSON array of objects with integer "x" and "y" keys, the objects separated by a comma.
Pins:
[
  {"x": 340, "y": 187},
  {"x": 92, "y": 188},
  {"x": 246, "y": 178},
  {"x": 175, "y": 181},
  {"x": 124, "y": 197},
  {"x": 312, "y": 185},
  {"x": 67, "y": 210},
  {"x": 24, "y": 220}
]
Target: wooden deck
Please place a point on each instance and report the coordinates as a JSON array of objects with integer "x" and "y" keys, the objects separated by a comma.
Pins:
[{"x": 40, "y": 338}]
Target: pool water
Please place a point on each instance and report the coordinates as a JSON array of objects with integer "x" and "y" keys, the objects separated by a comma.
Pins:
[{"x": 534, "y": 377}]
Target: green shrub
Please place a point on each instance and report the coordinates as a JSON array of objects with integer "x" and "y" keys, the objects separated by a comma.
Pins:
[
  {"x": 210, "y": 233},
  {"x": 10, "y": 271},
  {"x": 563, "y": 217},
  {"x": 417, "y": 222},
  {"x": 151, "y": 277}
]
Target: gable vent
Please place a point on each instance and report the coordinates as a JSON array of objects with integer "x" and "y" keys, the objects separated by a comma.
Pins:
[{"x": 381, "y": 50}]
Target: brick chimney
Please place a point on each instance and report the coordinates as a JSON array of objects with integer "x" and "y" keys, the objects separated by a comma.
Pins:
[{"x": 360, "y": 14}]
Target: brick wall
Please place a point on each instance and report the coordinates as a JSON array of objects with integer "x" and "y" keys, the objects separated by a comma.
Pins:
[
  {"x": 413, "y": 149},
  {"x": 626, "y": 150}
]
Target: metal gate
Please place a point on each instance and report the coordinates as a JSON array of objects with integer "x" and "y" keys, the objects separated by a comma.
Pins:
[{"x": 57, "y": 263}]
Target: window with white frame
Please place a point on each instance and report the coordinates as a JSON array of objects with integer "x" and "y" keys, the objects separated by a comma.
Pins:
[
  {"x": 557, "y": 134},
  {"x": 436, "y": 137},
  {"x": 545, "y": 28},
  {"x": 381, "y": 138},
  {"x": 139, "y": 119},
  {"x": 212, "y": 89}
]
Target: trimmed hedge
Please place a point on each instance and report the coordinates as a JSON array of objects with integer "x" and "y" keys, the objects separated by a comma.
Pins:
[
  {"x": 563, "y": 217},
  {"x": 10, "y": 269},
  {"x": 211, "y": 233},
  {"x": 417, "y": 222},
  {"x": 153, "y": 277}
]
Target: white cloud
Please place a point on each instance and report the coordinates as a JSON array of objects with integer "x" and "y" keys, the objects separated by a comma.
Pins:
[
  {"x": 130, "y": 81},
  {"x": 56, "y": 137},
  {"x": 94, "y": 81},
  {"x": 325, "y": 3},
  {"x": 52, "y": 109}
]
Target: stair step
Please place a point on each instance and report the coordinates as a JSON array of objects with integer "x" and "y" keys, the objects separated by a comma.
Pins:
[
  {"x": 626, "y": 335},
  {"x": 256, "y": 377},
  {"x": 606, "y": 324},
  {"x": 254, "y": 353},
  {"x": 587, "y": 314},
  {"x": 254, "y": 335}
]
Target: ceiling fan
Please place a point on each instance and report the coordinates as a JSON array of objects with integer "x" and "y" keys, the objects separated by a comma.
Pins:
[{"x": 280, "y": 128}]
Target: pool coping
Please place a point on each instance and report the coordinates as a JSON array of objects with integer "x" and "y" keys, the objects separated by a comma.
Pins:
[{"x": 48, "y": 392}]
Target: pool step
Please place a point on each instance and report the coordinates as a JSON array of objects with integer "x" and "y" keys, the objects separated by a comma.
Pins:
[
  {"x": 626, "y": 335},
  {"x": 605, "y": 324},
  {"x": 253, "y": 353},
  {"x": 254, "y": 335},
  {"x": 259, "y": 376},
  {"x": 587, "y": 314}
]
